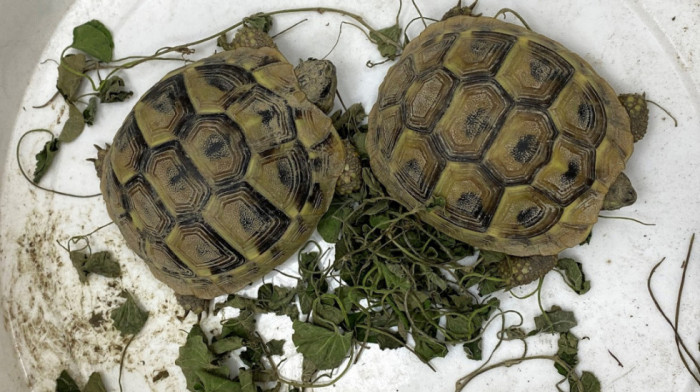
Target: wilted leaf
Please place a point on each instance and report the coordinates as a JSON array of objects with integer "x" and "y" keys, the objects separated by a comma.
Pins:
[
  {"x": 588, "y": 380},
  {"x": 246, "y": 379},
  {"x": 129, "y": 319},
  {"x": 428, "y": 349},
  {"x": 112, "y": 90},
  {"x": 325, "y": 348},
  {"x": 208, "y": 382},
  {"x": 332, "y": 222},
  {"x": 90, "y": 111},
  {"x": 195, "y": 357},
  {"x": 556, "y": 320},
  {"x": 70, "y": 76},
  {"x": 227, "y": 344},
  {"x": 275, "y": 346},
  {"x": 74, "y": 126},
  {"x": 568, "y": 352},
  {"x": 44, "y": 159},
  {"x": 65, "y": 383},
  {"x": 95, "y": 384},
  {"x": 94, "y": 39},
  {"x": 473, "y": 349},
  {"x": 386, "y": 48},
  {"x": 574, "y": 277},
  {"x": 242, "y": 326}
]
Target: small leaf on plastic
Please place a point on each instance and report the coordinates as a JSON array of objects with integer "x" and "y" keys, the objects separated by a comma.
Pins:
[
  {"x": 90, "y": 111},
  {"x": 387, "y": 49},
  {"x": 95, "y": 383},
  {"x": 69, "y": 76},
  {"x": 324, "y": 348},
  {"x": 112, "y": 90},
  {"x": 74, "y": 126},
  {"x": 65, "y": 383},
  {"x": 44, "y": 159},
  {"x": 129, "y": 319},
  {"x": 94, "y": 39}
]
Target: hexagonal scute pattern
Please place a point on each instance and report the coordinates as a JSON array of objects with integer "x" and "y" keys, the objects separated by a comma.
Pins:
[
  {"x": 176, "y": 181},
  {"x": 471, "y": 196},
  {"x": 524, "y": 213},
  {"x": 214, "y": 84},
  {"x": 426, "y": 100},
  {"x": 396, "y": 83},
  {"x": 478, "y": 53},
  {"x": 264, "y": 118},
  {"x": 569, "y": 173},
  {"x": 202, "y": 250},
  {"x": 522, "y": 146},
  {"x": 534, "y": 73},
  {"x": 147, "y": 213},
  {"x": 579, "y": 113},
  {"x": 471, "y": 120},
  {"x": 283, "y": 177},
  {"x": 510, "y": 128},
  {"x": 416, "y": 166},
  {"x": 128, "y": 150},
  {"x": 217, "y": 148},
  {"x": 246, "y": 219},
  {"x": 160, "y": 112}
]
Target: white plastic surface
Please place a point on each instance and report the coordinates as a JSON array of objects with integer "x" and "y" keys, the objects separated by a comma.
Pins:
[{"x": 637, "y": 45}]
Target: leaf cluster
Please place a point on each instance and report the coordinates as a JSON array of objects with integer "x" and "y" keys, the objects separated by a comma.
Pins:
[{"x": 204, "y": 363}]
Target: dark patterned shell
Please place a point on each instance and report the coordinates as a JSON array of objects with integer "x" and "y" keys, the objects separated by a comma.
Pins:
[
  {"x": 519, "y": 136},
  {"x": 221, "y": 171}
]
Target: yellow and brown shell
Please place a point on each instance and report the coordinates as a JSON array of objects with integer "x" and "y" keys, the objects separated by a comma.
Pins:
[
  {"x": 518, "y": 135},
  {"x": 221, "y": 171}
]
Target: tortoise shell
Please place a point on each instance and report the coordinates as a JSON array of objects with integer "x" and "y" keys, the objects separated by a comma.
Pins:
[
  {"x": 518, "y": 135},
  {"x": 221, "y": 171}
]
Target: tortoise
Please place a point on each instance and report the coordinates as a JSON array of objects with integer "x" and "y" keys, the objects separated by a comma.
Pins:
[
  {"x": 223, "y": 168},
  {"x": 499, "y": 137}
]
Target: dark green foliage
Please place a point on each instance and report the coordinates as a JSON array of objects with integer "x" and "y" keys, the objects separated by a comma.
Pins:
[
  {"x": 129, "y": 318},
  {"x": 94, "y": 39}
]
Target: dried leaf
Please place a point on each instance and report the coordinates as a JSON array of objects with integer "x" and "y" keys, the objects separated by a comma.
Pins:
[
  {"x": 208, "y": 382},
  {"x": 95, "y": 384},
  {"x": 574, "y": 277},
  {"x": 275, "y": 346},
  {"x": 70, "y": 76},
  {"x": 195, "y": 359},
  {"x": 246, "y": 380},
  {"x": 65, "y": 383},
  {"x": 473, "y": 349},
  {"x": 326, "y": 349},
  {"x": 44, "y": 159},
  {"x": 230, "y": 343},
  {"x": 386, "y": 49},
  {"x": 100, "y": 263},
  {"x": 555, "y": 321},
  {"x": 74, "y": 126},
  {"x": 128, "y": 318},
  {"x": 90, "y": 111},
  {"x": 242, "y": 326},
  {"x": 94, "y": 39},
  {"x": 588, "y": 380},
  {"x": 112, "y": 90}
]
